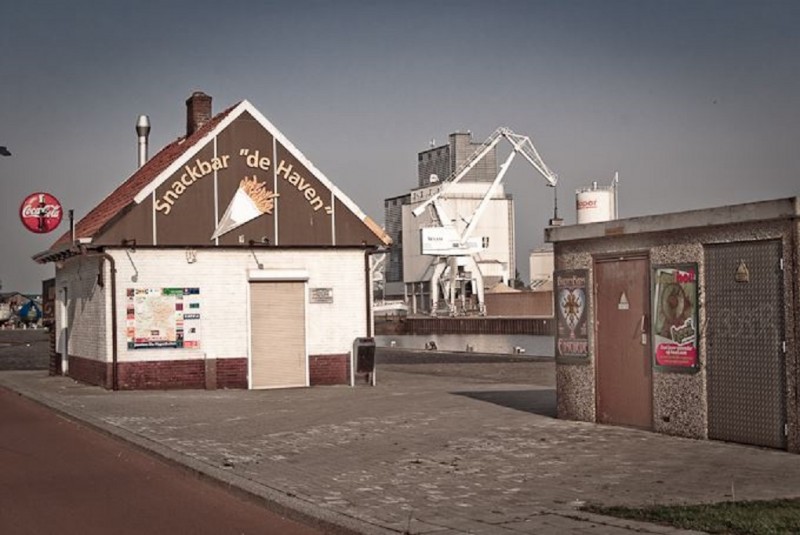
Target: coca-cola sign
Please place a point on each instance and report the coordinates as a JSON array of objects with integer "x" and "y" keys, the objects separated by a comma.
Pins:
[{"x": 40, "y": 212}]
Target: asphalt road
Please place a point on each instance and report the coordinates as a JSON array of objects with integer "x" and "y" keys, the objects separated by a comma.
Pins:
[{"x": 57, "y": 476}]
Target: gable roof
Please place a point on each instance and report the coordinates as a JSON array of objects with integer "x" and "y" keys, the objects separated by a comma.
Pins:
[
  {"x": 122, "y": 197},
  {"x": 160, "y": 167}
]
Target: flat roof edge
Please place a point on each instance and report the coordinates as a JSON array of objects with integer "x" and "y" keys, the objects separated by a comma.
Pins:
[{"x": 786, "y": 208}]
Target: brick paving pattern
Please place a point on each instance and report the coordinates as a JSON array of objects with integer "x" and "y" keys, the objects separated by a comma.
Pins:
[{"x": 433, "y": 448}]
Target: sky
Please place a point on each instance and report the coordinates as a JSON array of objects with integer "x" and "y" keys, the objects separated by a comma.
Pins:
[{"x": 695, "y": 103}]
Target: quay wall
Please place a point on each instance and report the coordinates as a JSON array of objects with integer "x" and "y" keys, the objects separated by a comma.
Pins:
[{"x": 483, "y": 325}]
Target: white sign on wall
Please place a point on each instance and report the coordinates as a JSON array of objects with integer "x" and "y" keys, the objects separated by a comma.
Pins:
[
  {"x": 320, "y": 295},
  {"x": 445, "y": 241}
]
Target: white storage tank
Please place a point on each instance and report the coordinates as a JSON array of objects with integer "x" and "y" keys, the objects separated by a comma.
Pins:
[{"x": 595, "y": 204}]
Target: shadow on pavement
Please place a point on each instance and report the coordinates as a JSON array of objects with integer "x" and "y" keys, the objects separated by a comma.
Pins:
[{"x": 541, "y": 401}]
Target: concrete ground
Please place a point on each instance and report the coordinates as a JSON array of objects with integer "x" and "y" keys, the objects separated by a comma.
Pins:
[{"x": 439, "y": 448}]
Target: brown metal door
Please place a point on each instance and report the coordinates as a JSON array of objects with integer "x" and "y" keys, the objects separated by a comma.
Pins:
[{"x": 624, "y": 371}]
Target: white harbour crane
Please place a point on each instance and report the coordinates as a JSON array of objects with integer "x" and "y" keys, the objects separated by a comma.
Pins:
[{"x": 453, "y": 248}]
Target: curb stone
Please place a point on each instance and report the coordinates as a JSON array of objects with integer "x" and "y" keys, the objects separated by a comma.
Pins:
[{"x": 643, "y": 527}]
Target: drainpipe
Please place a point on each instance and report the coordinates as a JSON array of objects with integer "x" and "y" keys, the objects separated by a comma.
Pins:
[
  {"x": 107, "y": 256},
  {"x": 370, "y": 320},
  {"x": 368, "y": 270},
  {"x": 368, "y": 287}
]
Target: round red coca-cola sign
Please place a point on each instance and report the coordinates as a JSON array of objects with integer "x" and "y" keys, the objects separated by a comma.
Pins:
[{"x": 40, "y": 212}]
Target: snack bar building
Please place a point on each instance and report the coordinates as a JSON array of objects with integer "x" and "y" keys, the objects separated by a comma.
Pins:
[{"x": 227, "y": 260}]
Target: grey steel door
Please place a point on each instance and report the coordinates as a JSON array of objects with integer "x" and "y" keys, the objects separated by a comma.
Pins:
[
  {"x": 623, "y": 367},
  {"x": 744, "y": 340}
]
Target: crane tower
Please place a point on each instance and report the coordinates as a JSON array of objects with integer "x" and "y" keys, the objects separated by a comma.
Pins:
[{"x": 450, "y": 241}]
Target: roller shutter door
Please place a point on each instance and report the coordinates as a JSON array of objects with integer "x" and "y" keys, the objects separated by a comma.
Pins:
[{"x": 278, "y": 334}]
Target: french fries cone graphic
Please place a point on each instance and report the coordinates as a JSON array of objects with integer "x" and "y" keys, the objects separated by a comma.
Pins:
[{"x": 251, "y": 200}]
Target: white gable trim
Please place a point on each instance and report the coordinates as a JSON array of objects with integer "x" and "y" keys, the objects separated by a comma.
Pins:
[{"x": 288, "y": 145}]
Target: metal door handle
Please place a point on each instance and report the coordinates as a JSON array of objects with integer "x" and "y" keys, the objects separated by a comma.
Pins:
[{"x": 644, "y": 332}]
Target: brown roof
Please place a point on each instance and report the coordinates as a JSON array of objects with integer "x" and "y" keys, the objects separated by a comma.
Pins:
[{"x": 124, "y": 195}]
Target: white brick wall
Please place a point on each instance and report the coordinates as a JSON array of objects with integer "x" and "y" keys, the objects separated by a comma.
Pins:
[
  {"x": 222, "y": 278},
  {"x": 87, "y": 308}
]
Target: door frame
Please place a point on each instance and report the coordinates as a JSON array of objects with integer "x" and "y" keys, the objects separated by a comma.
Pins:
[{"x": 619, "y": 257}]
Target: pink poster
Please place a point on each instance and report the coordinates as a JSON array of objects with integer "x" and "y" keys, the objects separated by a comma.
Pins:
[{"x": 675, "y": 316}]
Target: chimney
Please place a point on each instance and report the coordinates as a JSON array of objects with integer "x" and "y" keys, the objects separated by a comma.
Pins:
[
  {"x": 142, "y": 131},
  {"x": 198, "y": 112}
]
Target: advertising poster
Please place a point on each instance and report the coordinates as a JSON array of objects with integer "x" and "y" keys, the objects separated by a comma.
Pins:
[
  {"x": 675, "y": 316},
  {"x": 163, "y": 317},
  {"x": 49, "y": 302},
  {"x": 572, "y": 308}
]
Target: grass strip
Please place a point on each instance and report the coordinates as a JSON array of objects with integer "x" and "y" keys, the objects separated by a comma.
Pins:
[{"x": 769, "y": 517}]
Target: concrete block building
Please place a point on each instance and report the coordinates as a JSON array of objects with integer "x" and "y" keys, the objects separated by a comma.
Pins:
[{"x": 683, "y": 323}]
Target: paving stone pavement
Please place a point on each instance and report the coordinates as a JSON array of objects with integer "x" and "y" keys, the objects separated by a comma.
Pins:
[{"x": 432, "y": 449}]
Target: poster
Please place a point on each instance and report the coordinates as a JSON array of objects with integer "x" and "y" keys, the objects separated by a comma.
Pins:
[
  {"x": 572, "y": 309},
  {"x": 675, "y": 316},
  {"x": 163, "y": 317}
]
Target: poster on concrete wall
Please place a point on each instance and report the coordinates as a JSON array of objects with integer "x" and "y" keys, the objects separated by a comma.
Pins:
[
  {"x": 572, "y": 310},
  {"x": 163, "y": 318},
  {"x": 675, "y": 317}
]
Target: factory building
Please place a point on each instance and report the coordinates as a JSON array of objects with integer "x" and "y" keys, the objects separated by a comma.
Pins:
[
  {"x": 541, "y": 268},
  {"x": 227, "y": 260},
  {"x": 394, "y": 287},
  {"x": 408, "y": 270}
]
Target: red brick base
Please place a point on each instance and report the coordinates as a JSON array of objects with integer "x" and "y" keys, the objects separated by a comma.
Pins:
[
  {"x": 89, "y": 371},
  {"x": 55, "y": 357},
  {"x": 164, "y": 374},
  {"x": 176, "y": 374},
  {"x": 231, "y": 373},
  {"x": 167, "y": 374},
  {"x": 329, "y": 369}
]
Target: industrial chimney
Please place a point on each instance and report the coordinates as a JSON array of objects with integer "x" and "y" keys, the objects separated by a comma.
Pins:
[
  {"x": 198, "y": 112},
  {"x": 142, "y": 131}
]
